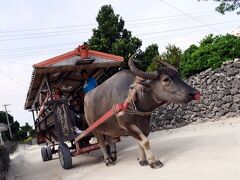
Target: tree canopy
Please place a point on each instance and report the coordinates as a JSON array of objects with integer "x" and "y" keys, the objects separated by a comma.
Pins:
[
  {"x": 20, "y": 133},
  {"x": 228, "y": 6},
  {"x": 172, "y": 55},
  {"x": 13, "y": 124},
  {"x": 211, "y": 53},
  {"x": 144, "y": 59},
  {"x": 111, "y": 36},
  {"x": 25, "y": 132}
]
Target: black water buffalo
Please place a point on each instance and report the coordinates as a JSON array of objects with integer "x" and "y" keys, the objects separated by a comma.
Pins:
[{"x": 156, "y": 87}]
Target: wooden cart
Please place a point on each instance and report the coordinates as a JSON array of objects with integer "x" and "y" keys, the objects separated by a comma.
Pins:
[{"x": 56, "y": 128}]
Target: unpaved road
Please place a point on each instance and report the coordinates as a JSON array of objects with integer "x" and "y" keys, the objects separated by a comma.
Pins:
[{"x": 204, "y": 151}]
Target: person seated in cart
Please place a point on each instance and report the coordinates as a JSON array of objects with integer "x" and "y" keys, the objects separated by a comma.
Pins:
[
  {"x": 43, "y": 99},
  {"x": 75, "y": 114},
  {"x": 58, "y": 94},
  {"x": 89, "y": 84}
]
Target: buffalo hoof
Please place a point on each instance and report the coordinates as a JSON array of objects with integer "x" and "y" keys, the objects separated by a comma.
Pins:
[
  {"x": 109, "y": 162},
  {"x": 143, "y": 162},
  {"x": 157, "y": 164},
  {"x": 114, "y": 156},
  {"x": 114, "y": 159}
]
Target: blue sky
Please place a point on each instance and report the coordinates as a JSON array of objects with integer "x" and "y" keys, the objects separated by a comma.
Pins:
[{"x": 32, "y": 31}]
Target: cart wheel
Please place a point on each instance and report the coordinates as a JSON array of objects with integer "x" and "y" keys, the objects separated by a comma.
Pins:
[
  {"x": 65, "y": 156},
  {"x": 44, "y": 154},
  {"x": 49, "y": 153}
]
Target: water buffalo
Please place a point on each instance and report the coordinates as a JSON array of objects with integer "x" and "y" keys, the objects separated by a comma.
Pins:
[{"x": 161, "y": 85}]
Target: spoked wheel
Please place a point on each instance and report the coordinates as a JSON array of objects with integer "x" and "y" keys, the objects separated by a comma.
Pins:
[
  {"x": 64, "y": 156},
  {"x": 44, "y": 154},
  {"x": 49, "y": 153}
]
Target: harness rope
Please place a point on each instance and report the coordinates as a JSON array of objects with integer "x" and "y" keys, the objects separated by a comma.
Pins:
[{"x": 131, "y": 98}]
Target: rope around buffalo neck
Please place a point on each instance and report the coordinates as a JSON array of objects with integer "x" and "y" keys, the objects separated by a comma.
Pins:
[{"x": 131, "y": 98}]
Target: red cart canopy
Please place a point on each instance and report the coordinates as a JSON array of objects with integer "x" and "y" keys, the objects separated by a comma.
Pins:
[{"x": 64, "y": 71}]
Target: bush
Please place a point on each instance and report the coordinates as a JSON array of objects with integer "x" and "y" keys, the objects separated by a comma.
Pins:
[
  {"x": 28, "y": 140},
  {"x": 211, "y": 53},
  {"x": 4, "y": 161},
  {"x": 172, "y": 55}
]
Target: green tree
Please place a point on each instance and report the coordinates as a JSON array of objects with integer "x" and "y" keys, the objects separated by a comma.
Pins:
[
  {"x": 111, "y": 37},
  {"x": 228, "y": 6},
  {"x": 25, "y": 132},
  {"x": 32, "y": 133},
  {"x": 172, "y": 55},
  {"x": 26, "y": 127},
  {"x": 211, "y": 53},
  {"x": 144, "y": 59},
  {"x": 22, "y": 135},
  {"x": 13, "y": 124}
]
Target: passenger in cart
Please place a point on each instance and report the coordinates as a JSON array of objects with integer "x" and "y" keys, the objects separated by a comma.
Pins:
[
  {"x": 75, "y": 115},
  {"x": 89, "y": 84},
  {"x": 58, "y": 94},
  {"x": 43, "y": 99}
]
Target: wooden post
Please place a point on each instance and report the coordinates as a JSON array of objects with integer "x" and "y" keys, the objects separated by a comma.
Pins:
[
  {"x": 49, "y": 86},
  {"x": 34, "y": 119}
]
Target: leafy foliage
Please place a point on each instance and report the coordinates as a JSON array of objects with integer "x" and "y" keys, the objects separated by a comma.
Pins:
[
  {"x": 172, "y": 55},
  {"x": 111, "y": 37},
  {"x": 13, "y": 124},
  {"x": 19, "y": 133},
  {"x": 25, "y": 132},
  {"x": 144, "y": 59},
  {"x": 228, "y": 6},
  {"x": 211, "y": 53}
]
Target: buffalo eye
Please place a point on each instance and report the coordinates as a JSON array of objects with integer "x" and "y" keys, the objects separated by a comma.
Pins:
[{"x": 166, "y": 79}]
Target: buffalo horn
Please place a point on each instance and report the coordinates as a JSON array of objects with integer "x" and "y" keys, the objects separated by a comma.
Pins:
[{"x": 138, "y": 72}]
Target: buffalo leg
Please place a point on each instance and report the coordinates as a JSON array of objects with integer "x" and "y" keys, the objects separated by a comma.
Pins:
[
  {"x": 107, "y": 159},
  {"x": 113, "y": 149},
  {"x": 142, "y": 140},
  {"x": 114, "y": 152},
  {"x": 142, "y": 156}
]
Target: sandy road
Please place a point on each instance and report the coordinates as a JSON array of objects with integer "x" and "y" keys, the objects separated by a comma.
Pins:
[{"x": 209, "y": 151}]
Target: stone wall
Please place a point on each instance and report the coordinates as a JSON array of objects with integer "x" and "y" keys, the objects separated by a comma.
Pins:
[
  {"x": 4, "y": 162},
  {"x": 220, "y": 89}
]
